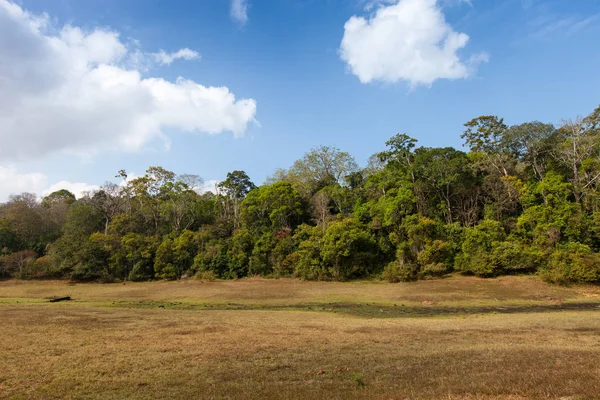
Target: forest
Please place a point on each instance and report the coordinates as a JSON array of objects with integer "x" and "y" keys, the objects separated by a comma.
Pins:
[{"x": 521, "y": 199}]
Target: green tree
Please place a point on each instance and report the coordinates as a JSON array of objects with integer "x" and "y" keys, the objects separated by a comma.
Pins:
[
  {"x": 477, "y": 245},
  {"x": 150, "y": 191},
  {"x": 8, "y": 238},
  {"x": 320, "y": 167},
  {"x": 486, "y": 134},
  {"x": 348, "y": 250},
  {"x": 532, "y": 143},
  {"x": 174, "y": 257},
  {"x": 273, "y": 207},
  {"x": 443, "y": 177},
  {"x": 233, "y": 190}
]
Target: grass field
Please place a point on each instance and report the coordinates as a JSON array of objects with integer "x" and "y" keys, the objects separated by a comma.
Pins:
[{"x": 463, "y": 338}]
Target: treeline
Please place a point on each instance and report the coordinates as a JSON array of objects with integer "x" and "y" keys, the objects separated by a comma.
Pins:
[{"x": 524, "y": 199}]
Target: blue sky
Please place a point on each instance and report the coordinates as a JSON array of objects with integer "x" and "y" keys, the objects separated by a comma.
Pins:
[{"x": 524, "y": 60}]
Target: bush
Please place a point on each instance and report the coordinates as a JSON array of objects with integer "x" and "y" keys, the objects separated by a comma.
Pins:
[
  {"x": 206, "y": 276},
  {"x": 135, "y": 259},
  {"x": 348, "y": 250},
  {"x": 435, "y": 259},
  {"x": 515, "y": 258},
  {"x": 477, "y": 245},
  {"x": 572, "y": 263},
  {"x": 174, "y": 257},
  {"x": 422, "y": 249},
  {"x": 138, "y": 272},
  {"x": 43, "y": 267},
  {"x": 18, "y": 265},
  {"x": 398, "y": 271},
  {"x": 308, "y": 263},
  {"x": 215, "y": 257},
  {"x": 288, "y": 265}
]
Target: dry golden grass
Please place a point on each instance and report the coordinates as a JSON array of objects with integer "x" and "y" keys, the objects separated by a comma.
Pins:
[
  {"x": 93, "y": 349},
  {"x": 457, "y": 290}
]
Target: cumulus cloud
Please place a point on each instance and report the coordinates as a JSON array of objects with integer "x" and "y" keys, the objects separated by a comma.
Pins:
[
  {"x": 13, "y": 182},
  {"x": 164, "y": 58},
  {"x": 239, "y": 11},
  {"x": 408, "y": 40},
  {"x": 77, "y": 188},
  {"x": 371, "y": 4},
  {"x": 66, "y": 90}
]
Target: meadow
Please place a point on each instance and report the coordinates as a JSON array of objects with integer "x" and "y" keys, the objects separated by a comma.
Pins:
[{"x": 455, "y": 338}]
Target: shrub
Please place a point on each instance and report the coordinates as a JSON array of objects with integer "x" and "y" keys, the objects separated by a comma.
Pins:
[
  {"x": 434, "y": 259},
  {"x": 215, "y": 257},
  {"x": 175, "y": 256},
  {"x": 398, "y": 271},
  {"x": 422, "y": 249},
  {"x": 512, "y": 257},
  {"x": 43, "y": 267},
  {"x": 19, "y": 264},
  {"x": 477, "y": 244},
  {"x": 572, "y": 263},
  {"x": 307, "y": 259},
  {"x": 206, "y": 276},
  {"x": 348, "y": 250},
  {"x": 358, "y": 379}
]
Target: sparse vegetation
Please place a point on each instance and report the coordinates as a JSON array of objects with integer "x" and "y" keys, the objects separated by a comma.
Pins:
[{"x": 358, "y": 379}]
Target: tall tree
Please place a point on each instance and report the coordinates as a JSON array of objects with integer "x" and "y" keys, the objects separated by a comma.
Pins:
[
  {"x": 320, "y": 167},
  {"x": 273, "y": 207},
  {"x": 580, "y": 145},
  {"x": 233, "y": 191},
  {"x": 110, "y": 200},
  {"x": 485, "y": 134},
  {"x": 532, "y": 143},
  {"x": 150, "y": 190},
  {"x": 441, "y": 173}
]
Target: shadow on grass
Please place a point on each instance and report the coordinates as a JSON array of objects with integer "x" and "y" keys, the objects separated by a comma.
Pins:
[{"x": 367, "y": 310}]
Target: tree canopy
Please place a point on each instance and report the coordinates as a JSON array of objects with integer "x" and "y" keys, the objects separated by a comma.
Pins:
[{"x": 521, "y": 199}]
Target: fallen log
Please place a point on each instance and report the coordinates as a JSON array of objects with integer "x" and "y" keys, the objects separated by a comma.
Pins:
[{"x": 57, "y": 299}]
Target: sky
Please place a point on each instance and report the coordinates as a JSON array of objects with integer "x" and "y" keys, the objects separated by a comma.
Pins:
[{"x": 88, "y": 88}]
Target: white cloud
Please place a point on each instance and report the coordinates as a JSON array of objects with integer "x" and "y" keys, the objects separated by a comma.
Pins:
[
  {"x": 452, "y": 3},
  {"x": 13, "y": 182},
  {"x": 371, "y": 4},
  {"x": 64, "y": 90},
  {"x": 239, "y": 11},
  {"x": 131, "y": 176},
  {"x": 164, "y": 58},
  {"x": 77, "y": 188},
  {"x": 410, "y": 41},
  {"x": 210, "y": 185},
  {"x": 545, "y": 25}
]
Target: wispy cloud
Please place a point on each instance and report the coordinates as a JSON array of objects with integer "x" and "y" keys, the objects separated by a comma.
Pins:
[
  {"x": 239, "y": 11},
  {"x": 164, "y": 58},
  {"x": 546, "y": 22}
]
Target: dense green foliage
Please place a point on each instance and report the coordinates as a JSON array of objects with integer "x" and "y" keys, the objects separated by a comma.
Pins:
[{"x": 524, "y": 199}]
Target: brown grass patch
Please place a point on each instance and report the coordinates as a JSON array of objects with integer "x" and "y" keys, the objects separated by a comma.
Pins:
[
  {"x": 449, "y": 291},
  {"x": 68, "y": 352},
  {"x": 92, "y": 349}
]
